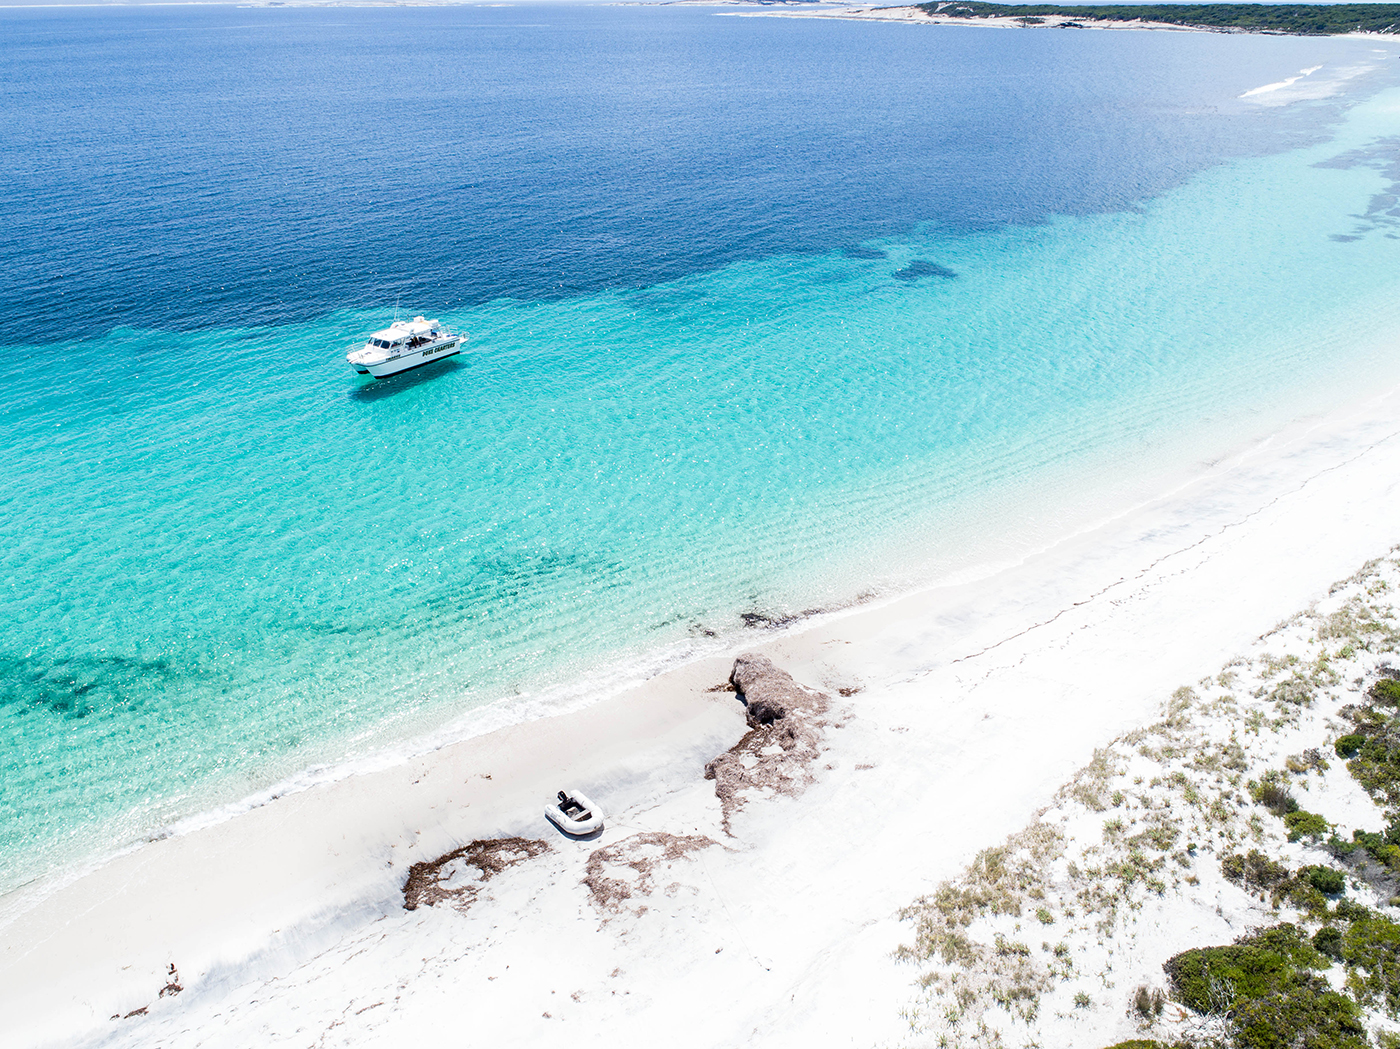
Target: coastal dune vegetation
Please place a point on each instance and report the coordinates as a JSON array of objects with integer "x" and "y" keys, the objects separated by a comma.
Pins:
[
  {"x": 1297, "y": 19},
  {"x": 1264, "y": 805}
]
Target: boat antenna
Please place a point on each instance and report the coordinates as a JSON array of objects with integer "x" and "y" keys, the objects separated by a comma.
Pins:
[{"x": 396, "y": 307}]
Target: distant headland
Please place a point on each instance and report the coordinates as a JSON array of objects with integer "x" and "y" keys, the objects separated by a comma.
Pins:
[
  {"x": 1282, "y": 19},
  {"x": 1304, "y": 19}
]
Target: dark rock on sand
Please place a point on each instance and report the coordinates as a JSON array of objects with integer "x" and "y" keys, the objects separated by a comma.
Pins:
[{"x": 785, "y": 735}]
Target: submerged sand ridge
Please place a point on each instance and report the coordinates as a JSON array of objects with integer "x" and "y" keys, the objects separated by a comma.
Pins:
[{"x": 955, "y": 714}]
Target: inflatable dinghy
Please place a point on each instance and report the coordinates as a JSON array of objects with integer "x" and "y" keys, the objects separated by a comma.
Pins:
[{"x": 574, "y": 814}]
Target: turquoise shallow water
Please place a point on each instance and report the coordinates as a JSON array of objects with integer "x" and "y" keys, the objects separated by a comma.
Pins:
[{"x": 228, "y": 558}]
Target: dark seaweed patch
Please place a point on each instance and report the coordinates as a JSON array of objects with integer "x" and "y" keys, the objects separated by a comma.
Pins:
[
  {"x": 773, "y": 620},
  {"x": 79, "y": 686},
  {"x": 1383, "y": 156},
  {"x": 923, "y": 268},
  {"x": 436, "y": 881}
]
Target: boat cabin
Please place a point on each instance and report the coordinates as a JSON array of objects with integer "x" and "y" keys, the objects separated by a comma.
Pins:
[{"x": 404, "y": 335}]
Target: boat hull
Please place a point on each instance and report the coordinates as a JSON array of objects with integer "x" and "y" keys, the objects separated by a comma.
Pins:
[{"x": 408, "y": 361}]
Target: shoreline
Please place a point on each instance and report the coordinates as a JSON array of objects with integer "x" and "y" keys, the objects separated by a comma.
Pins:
[
  {"x": 999, "y": 662},
  {"x": 914, "y": 15}
]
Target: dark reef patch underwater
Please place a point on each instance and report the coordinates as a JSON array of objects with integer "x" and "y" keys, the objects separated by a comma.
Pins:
[{"x": 924, "y": 268}]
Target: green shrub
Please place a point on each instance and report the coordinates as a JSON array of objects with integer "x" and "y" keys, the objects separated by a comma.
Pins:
[
  {"x": 1371, "y": 949},
  {"x": 1325, "y": 880},
  {"x": 1327, "y": 941},
  {"x": 1290, "y": 941},
  {"x": 1377, "y": 766},
  {"x": 1340, "y": 847},
  {"x": 1368, "y": 721},
  {"x": 1302, "y": 19},
  {"x": 1255, "y": 870},
  {"x": 1212, "y": 979},
  {"x": 1303, "y": 1012},
  {"x": 1303, "y": 824},
  {"x": 1348, "y": 745},
  {"x": 1264, "y": 984},
  {"x": 1383, "y": 849},
  {"x": 1368, "y": 840},
  {"x": 1385, "y": 691},
  {"x": 1301, "y": 893},
  {"x": 1350, "y": 911}
]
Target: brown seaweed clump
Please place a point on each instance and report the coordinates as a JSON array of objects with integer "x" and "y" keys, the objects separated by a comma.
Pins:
[
  {"x": 622, "y": 871},
  {"x": 785, "y": 735},
  {"x": 457, "y": 876}
]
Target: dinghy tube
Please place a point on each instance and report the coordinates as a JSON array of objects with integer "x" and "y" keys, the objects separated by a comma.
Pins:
[{"x": 574, "y": 814}]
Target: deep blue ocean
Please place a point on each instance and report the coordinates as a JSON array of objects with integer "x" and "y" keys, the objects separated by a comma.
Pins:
[{"x": 766, "y": 315}]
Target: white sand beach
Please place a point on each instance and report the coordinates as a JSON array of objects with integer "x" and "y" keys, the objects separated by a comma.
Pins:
[
  {"x": 954, "y": 715},
  {"x": 914, "y": 14}
]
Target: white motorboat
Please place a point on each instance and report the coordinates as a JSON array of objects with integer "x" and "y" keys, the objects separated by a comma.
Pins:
[
  {"x": 404, "y": 345},
  {"x": 574, "y": 814}
]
